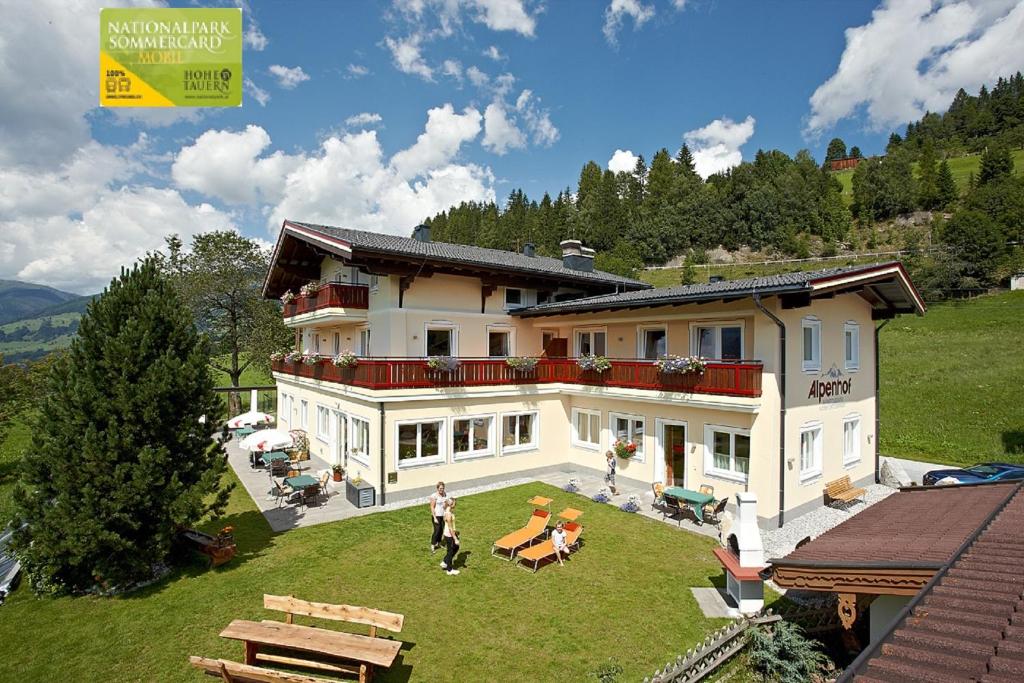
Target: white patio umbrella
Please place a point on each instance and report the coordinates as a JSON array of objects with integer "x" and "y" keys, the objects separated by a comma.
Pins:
[
  {"x": 266, "y": 440},
  {"x": 250, "y": 417}
]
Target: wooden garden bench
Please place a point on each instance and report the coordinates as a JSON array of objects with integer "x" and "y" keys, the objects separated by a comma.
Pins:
[
  {"x": 842, "y": 490},
  {"x": 236, "y": 672}
]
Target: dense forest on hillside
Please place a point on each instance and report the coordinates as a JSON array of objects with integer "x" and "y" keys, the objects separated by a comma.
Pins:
[{"x": 791, "y": 205}]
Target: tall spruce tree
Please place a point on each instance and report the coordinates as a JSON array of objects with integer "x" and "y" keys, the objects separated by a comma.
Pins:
[
  {"x": 120, "y": 459},
  {"x": 996, "y": 163},
  {"x": 945, "y": 187},
  {"x": 836, "y": 150},
  {"x": 927, "y": 177}
]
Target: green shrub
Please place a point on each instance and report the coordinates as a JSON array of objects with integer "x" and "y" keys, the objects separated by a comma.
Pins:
[{"x": 780, "y": 652}]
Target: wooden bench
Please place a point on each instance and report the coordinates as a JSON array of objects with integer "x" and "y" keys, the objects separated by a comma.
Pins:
[
  {"x": 235, "y": 672},
  {"x": 842, "y": 491},
  {"x": 366, "y": 616}
]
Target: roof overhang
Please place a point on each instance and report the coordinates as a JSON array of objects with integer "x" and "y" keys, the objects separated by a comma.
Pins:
[
  {"x": 297, "y": 256},
  {"x": 852, "y": 577},
  {"x": 887, "y": 287}
]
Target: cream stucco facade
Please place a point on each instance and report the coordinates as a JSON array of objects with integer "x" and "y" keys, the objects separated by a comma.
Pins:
[{"x": 524, "y": 428}]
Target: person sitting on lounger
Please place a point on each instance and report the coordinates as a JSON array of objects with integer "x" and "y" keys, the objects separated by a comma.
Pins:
[{"x": 558, "y": 542}]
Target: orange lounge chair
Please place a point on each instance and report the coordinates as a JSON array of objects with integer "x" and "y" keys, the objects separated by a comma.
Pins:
[
  {"x": 542, "y": 551},
  {"x": 520, "y": 537}
]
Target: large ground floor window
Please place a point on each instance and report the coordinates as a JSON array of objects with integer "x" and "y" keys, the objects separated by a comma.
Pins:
[
  {"x": 727, "y": 452},
  {"x": 851, "y": 439},
  {"x": 360, "y": 440},
  {"x": 586, "y": 428},
  {"x": 419, "y": 443},
  {"x": 810, "y": 451},
  {"x": 628, "y": 429},
  {"x": 518, "y": 432},
  {"x": 472, "y": 436}
]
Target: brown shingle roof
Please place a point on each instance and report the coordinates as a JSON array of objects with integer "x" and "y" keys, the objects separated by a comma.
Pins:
[
  {"x": 915, "y": 527},
  {"x": 968, "y": 624}
]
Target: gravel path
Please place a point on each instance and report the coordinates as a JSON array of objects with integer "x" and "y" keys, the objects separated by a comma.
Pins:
[{"x": 780, "y": 542}]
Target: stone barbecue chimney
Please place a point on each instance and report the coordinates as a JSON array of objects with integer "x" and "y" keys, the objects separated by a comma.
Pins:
[
  {"x": 748, "y": 536},
  {"x": 744, "y": 559}
]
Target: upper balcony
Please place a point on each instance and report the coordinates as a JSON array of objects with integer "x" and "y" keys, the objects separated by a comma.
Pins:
[
  {"x": 332, "y": 302},
  {"x": 742, "y": 379}
]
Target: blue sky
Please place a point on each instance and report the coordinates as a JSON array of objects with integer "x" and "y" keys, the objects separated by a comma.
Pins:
[{"x": 376, "y": 114}]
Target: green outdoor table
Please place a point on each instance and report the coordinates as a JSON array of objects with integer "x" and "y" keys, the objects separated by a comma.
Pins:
[
  {"x": 273, "y": 456},
  {"x": 244, "y": 431},
  {"x": 696, "y": 499},
  {"x": 301, "y": 481}
]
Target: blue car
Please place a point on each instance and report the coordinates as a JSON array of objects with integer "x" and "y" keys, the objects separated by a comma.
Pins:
[{"x": 975, "y": 474}]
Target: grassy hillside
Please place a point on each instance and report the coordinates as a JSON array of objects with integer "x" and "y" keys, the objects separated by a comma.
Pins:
[
  {"x": 950, "y": 389},
  {"x": 962, "y": 168},
  {"x": 19, "y": 300},
  {"x": 33, "y": 338}
]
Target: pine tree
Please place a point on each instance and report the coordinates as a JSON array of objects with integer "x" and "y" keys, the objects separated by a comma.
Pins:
[
  {"x": 996, "y": 163},
  {"x": 120, "y": 458},
  {"x": 894, "y": 143},
  {"x": 945, "y": 187},
  {"x": 836, "y": 150},
  {"x": 685, "y": 160},
  {"x": 855, "y": 153}
]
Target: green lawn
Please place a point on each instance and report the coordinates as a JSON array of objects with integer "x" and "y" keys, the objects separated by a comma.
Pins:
[
  {"x": 17, "y": 441},
  {"x": 626, "y": 593},
  {"x": 951, "y": 382}
]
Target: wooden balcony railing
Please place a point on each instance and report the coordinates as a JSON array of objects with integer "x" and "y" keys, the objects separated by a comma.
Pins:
[
  {"x": 331, "y": 295},
  {"x": 719, "y": 378}
]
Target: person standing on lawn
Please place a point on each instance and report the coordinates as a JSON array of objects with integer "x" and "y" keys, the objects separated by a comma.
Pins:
[
  {"x": 436, "y": 503},
  {"x": 451, "y": 538},
  {"x": 609, "y": 475}
]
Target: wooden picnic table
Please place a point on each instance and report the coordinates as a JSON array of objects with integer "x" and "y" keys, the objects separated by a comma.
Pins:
[{"x": 308, "y": 639}]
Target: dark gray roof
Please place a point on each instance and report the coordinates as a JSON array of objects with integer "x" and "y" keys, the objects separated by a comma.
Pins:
[
  {"x": 468, "y": 254},
  {"x": 727, "y": 289}
]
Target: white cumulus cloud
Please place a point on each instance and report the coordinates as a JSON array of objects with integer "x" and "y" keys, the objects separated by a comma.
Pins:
[
  {"x": 497, "y": 15},
  {"x": 622, "y": 161},
  {"x": 288, "y": 77},
  {"x": 618, "y": 10},
  {"x": 912, "y": 57},
  {"x": 408, "y": 56},
  {"x": 356, "y": 71},
  {"x": 256, "y": 92},
  {"x": 445, "y": 133},
  {"x": 494, "y": 53},
  {"x": 716, "y": 146},
  {"x": 452, "y": 68},
  {"x": 500, "y": 131},
  {"x": 228, "y": 165},
  {"x": 477, "y": 77}
]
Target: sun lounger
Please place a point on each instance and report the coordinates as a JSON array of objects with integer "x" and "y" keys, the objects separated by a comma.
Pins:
[
  {"x": 512, "y": 542},
  {"x": 535, "y": 554}
]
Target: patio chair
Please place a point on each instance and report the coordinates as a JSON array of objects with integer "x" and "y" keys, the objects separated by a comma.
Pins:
[
  {"x": 325, "y": 476},
  {"x": 281, "y": 491},
  {"x": 546, "y": 549},
  {"x": 278, "y": 468},
  {"x": 514, "y": 541},
  {"x": 659, "y": 490},
  {"x": 310, "y": 494},
  {"x": 672, "y": 508},
  {"x": 715, "y": 514},
  {"x": 706, "y": 488}
]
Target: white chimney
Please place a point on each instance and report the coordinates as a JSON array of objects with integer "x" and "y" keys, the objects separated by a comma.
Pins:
[{"x": 748, "y": 536}]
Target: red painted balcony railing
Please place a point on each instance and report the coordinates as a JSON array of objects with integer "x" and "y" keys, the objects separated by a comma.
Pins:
[
  {"x": 330, "y": 295},
  {"x": 723, "y": 379}
]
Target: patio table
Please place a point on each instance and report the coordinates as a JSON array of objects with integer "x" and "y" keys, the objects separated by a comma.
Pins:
[
  {"x": 244, "y": 431},
  {"x": 301, "y": 481},
  {"x": 273, "y": 456},
  {"x": 695, "y": 499}
]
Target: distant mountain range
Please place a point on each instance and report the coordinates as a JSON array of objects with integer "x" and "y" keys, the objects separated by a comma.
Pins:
[{"x": 36, "y": 320}]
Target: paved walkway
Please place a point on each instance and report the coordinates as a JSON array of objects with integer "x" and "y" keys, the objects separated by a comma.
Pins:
[{"x": 915, "y": 468}]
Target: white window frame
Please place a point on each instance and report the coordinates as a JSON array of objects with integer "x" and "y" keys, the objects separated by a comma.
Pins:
[
  {"x": 522, "y": 298},
  {"x": 717, "y": 325},
  {"x": 304, "y": 414},
  {"x": 576, "y": 441},
  {"x": 364, "y": 342},
  {"x": 641, "y": 449},
  {"x": 374, "y": 283},
  {"x": 452, "y": 328},
  {"x": 814, "y": 364},
  {"x": 709, "y": 453},
  {"x": 814, "y": 470},
  {"x": 850, "y": 459},
  {"x": 535, "y": 433},
  {"x": 316, "y": 342},
  {"x": 641, "y": 338},
  {"x": 577, "y": 331},
  {"x": 323, "y": 412},
  {"x": 506, "y": 330},
  {"x": 472, "y": 454},
  {"x": 851, "y": 329},
  {"x": 360, "y": 456},
  {"x": 419, "y": 460},
  {"x": 337, "y": 343},
  {"x": 282, "y": 409}
]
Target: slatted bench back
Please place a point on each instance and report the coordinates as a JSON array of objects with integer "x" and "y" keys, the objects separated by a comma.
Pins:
[{"x": 367, "y": 616}]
